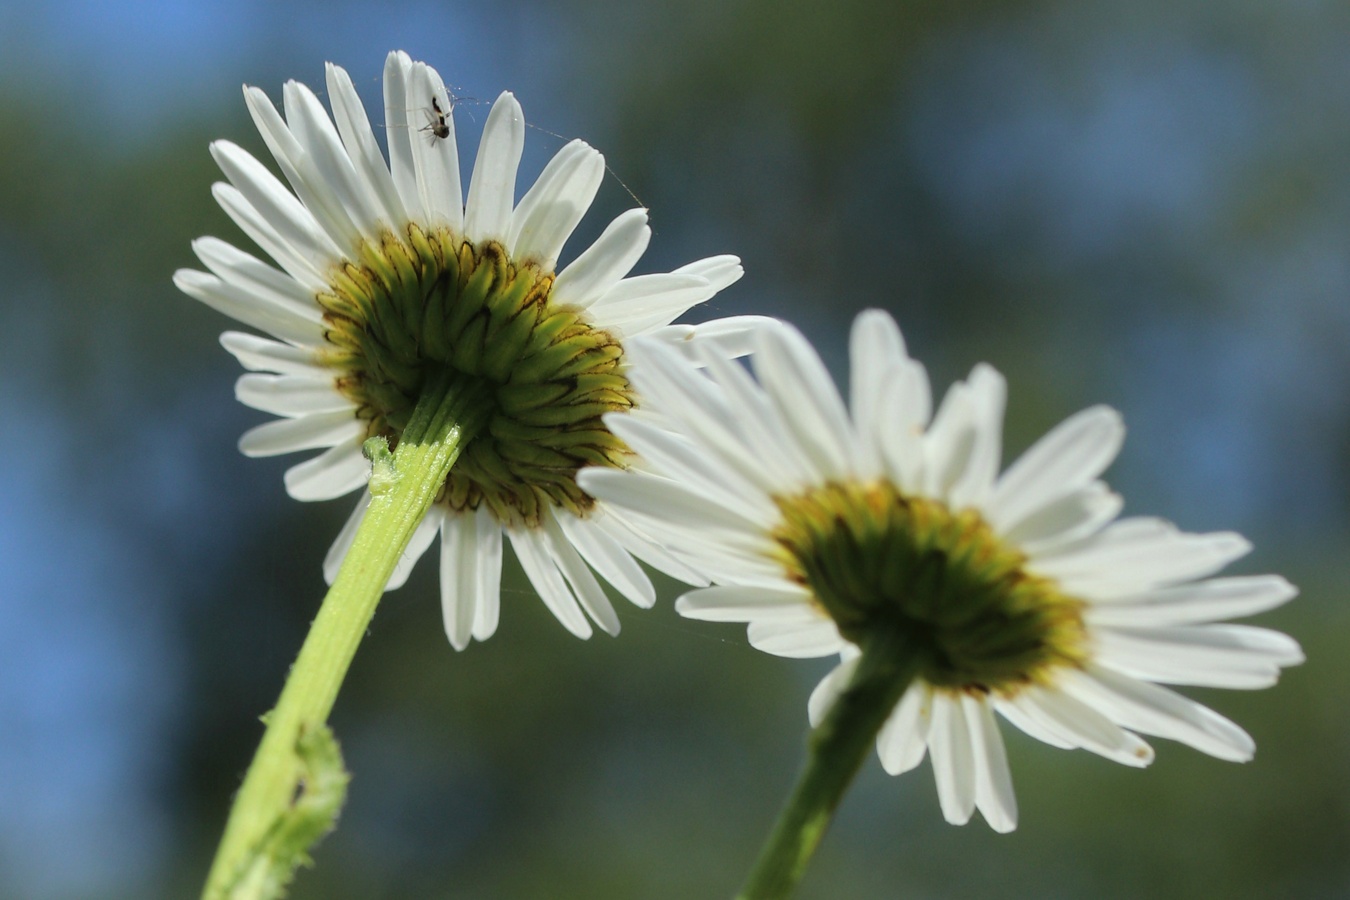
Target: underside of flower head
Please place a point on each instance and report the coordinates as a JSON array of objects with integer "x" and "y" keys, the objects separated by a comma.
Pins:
[
  {"x": 877, "y": 560},
  {"x": 436, "y": 301},
  {"x": 390, "y": 278},
  {"x": 823, "y": 525}
]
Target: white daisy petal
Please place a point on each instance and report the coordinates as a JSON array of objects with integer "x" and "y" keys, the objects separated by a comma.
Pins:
[
  {"x": 550, "y": 210},
  {"x": 1070, "y": 518},
  {"x": 401, "y": 131},
  {"x": 631, "y": 538},
  {"x": 875, "y": 346},
  {"x": 293, "y": 223},
  {"x": 310, "y": 124},
  {"x": 644, "y": 303},
  {"x": 1084, "y": 726},
  {"x": 1067, "y": 459},
  {"x": 609, "y": 558},
  {"x": 257, "y": 277},
  {"x": 778, "y": 461},
  {"x": 1155, "y": 710},
  {"x": 694, "y": 406},
  {"x": 600, "y": 267},
  {"x": 584, "y": 586},
  {"x": 1195, "y": 603},
  {"x": 712, "y": 554},
  {"x": 436, "y": 158},
  {"x": 647, "y": 304},
  {"x": 728, "y": 338},
  {"x": 827, "y": 692},
  {"x": 907, "y": 403},
  {"x": 534, "y": 553},
  {"x": 1031, "y": 722},
  {"x": 1231, "y": 656},
  {"x": 803, "y": 638},
  {"x": 337, "y": 471},
  {"x": 300, "y": 263},
  {"x": 739, "y": 552},
  {"x": 631, "y": 535},
  {"x": 953, "y": 759},
  {"x": 470, "y": 576},
  {"x": 492, "y": 190},
  {"x": 260, "y": 354},
  {"x": 638, "y": 491},
  {"x": 719, "y": 271},
  {"x": 290, "y": 395},
  {"x": 903, "y": 740},
  {"x": 460, "y": 577},
  {"x": 683, "y": 460},
  {"x": 349, "y": 114},
  {"x": 488, "y": 538},
  {"x": 742, "y": 604},
  {"x": 317, "y": 191},
  {"x": 1139, "y": 553},
  {"x": 988, "y": 394},
  {"x": 994, "y": 795},
  {"x": 261, "y": 312},
  {"x": 305, "y": 433},
  {"x": 799, "y": 385},
  {"x": 950, "y": 442}
]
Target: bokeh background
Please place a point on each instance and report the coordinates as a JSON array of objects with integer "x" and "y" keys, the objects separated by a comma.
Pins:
[{"x": 1144, "y": 204}]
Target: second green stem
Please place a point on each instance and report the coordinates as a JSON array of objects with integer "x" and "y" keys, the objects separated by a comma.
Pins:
[{"x": 836, "y": 750}]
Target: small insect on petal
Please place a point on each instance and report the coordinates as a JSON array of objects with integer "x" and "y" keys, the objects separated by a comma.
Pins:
[{"x": 436, "y": 126}]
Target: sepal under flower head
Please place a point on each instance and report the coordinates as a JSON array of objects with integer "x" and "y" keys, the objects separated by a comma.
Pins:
[{"x": 823, "y": 525}]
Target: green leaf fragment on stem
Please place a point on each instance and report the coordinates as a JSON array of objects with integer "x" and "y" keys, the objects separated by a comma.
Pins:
[{"x": 320, "y": 789}]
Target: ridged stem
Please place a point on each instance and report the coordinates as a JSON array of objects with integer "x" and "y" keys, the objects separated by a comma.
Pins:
[{"x": 449, "y": 412}]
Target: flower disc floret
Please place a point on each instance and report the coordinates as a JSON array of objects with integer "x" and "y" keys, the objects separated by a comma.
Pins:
[{"x": 878, "y": 560}]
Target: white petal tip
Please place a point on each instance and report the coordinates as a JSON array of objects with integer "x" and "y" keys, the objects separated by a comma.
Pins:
[
  {"x": 185, "y": 279},
  {"x": 246, "y": 447}
]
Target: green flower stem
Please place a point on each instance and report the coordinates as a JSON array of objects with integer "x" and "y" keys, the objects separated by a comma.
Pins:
[
  {"x": 403, "y": 485},
  {"x": 836, "y": 750}
]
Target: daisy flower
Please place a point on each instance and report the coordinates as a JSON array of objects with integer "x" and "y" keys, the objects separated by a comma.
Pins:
[
  {"x": 383, "y": 275},
  {"x": 1020, "y": 594}
]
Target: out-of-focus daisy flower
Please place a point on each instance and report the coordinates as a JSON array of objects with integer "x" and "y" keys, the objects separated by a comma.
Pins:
[
  {"x": 388, "y": 277},
  {"x": 824, "y": 525}
]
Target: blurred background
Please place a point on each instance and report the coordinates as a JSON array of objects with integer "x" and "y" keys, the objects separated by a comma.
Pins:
[{"x": 1142, "y": 204}]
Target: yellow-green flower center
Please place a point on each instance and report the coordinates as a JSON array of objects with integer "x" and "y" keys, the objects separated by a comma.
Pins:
[
  {"x": 428, "y": 300},
  {"x": 876, "y": 559}
]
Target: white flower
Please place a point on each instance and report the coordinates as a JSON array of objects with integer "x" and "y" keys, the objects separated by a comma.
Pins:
[
  {"x": 1030, "y": 598},
  {"x": 385, "y": 270}
]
